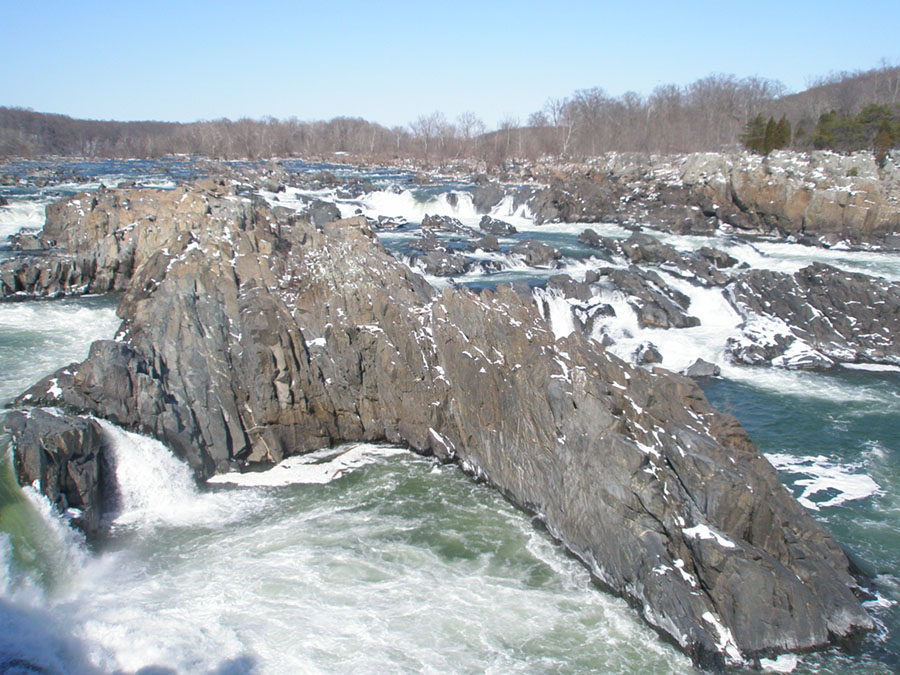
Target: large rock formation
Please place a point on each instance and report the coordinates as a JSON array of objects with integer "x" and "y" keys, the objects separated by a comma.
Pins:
[
  {"x": 94, "y": 242},
  {"x": 815, "y": 318},
  {"x": 819, "y": 198},
  {"x": 249, "y": 335}
]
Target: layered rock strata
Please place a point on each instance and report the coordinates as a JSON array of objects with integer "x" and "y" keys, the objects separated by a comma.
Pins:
[{"x": 249, "y": 335}]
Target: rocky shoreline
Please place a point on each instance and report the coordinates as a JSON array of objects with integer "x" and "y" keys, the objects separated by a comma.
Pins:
[{"x": 251, "y": 333}]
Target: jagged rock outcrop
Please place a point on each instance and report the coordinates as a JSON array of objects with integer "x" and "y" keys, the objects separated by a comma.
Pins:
[
  {"x": 820, "y": 198},
  {"x": 63, "y": 454},
  {"x": 249, "y": 338},
  {"x": 94, "y": 242},
  {"x": 815, "y": 318},
  {"x": 577, "y": 199},
  {"x": 656, "y": 304}
]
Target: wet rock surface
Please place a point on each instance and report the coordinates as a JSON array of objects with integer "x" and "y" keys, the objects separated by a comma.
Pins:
[
  {"x": 250, "y": 335},
  {"x": 64, "y": 455}
]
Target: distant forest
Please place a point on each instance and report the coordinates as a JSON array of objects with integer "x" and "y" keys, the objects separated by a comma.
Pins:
[{"x": 711, "y": 114}]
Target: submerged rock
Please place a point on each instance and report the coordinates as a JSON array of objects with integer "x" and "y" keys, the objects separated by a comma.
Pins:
[{"x": 250, "y": 338}]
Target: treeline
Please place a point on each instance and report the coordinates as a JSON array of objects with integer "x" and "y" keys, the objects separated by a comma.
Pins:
[{"x": 707, "y": 115}]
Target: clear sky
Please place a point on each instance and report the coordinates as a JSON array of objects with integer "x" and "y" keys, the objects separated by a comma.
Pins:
[{"x": 391, "y": 62}]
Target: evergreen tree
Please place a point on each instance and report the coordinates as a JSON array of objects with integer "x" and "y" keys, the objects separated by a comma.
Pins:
[
  {"x": 769, "y": 139},
  {"x": 783, "y": 133},
  {"x": 824, "y": 136},
  {"x": 884, "y": 141},
  {"x": 754, "y": 135}
]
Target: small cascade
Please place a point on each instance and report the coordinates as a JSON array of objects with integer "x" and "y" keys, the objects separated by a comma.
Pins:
[
  {"x": 38, "y": 549},
  {"x": 155, "y": 488},
  {"x": 407, "y": 205}
]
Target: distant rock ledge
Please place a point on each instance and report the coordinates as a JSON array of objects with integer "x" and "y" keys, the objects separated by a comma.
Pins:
[{"x": 249, "y": 334}]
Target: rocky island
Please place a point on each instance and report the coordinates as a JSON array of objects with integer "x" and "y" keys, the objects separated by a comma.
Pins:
[{"x": 251, "y": 332}]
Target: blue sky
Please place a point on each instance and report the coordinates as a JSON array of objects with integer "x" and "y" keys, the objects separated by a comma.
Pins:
[{"x": 393, "y": 61}]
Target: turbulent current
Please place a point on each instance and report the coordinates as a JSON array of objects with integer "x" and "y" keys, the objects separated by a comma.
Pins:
[{"x": 372, "y": 559}]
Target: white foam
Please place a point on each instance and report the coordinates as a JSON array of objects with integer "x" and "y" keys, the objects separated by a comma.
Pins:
[
  {"x": 872, "y": 367},
  {"x": 558, "y": 309},
  {"x": 39, "y": 337},
  {"x": 156, "y": 488},
  {"x": 786, "y": 663},
  {"x": 19, "y": 214},
  {"x": 317, "y": 468},
  {"x": 824, "y": 475},
  {"x": 407, "y": 205}
]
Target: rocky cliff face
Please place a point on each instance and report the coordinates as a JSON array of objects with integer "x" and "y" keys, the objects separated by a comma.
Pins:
[
  {"x": 821, "y": 198},
  {"x": 94, "y": 242},
  {"x": 249, "y": 335}
]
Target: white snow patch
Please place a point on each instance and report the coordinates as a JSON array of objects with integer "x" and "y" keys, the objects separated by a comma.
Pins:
[
  {"x": 704, "y": 532},
  {"x": 315, "y": 468}
]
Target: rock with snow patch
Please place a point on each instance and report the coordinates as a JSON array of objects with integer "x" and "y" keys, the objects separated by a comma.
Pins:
[
  {"x": 536, "y": 253},
  {"x": 815, "y": 318},
  {"x": 441, "y": 263},
  {"x": 447, "y": 224},
  {"x": 495, "y": 227},
  {"x": 656, "y": 304}
]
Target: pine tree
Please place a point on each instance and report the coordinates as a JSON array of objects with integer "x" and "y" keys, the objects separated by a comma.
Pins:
[
  {"x": 769, "y": 140},
  {"x": 783, "y": 133},
  {"x": 884, "y": 141},
  {"x": 754, "y": 135}
]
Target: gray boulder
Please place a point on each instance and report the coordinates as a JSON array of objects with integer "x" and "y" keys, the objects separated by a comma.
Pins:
[
  {"x": 487, "y": 243},
  {"x": 496, "y": 227},
  {"x": 321, "y": 212},
  {"x": 536, "y": 253},
  {"x": 702, "y": 369}
]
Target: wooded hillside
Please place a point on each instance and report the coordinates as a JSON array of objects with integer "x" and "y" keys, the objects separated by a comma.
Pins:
[{"x": 710, "y": 114}]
